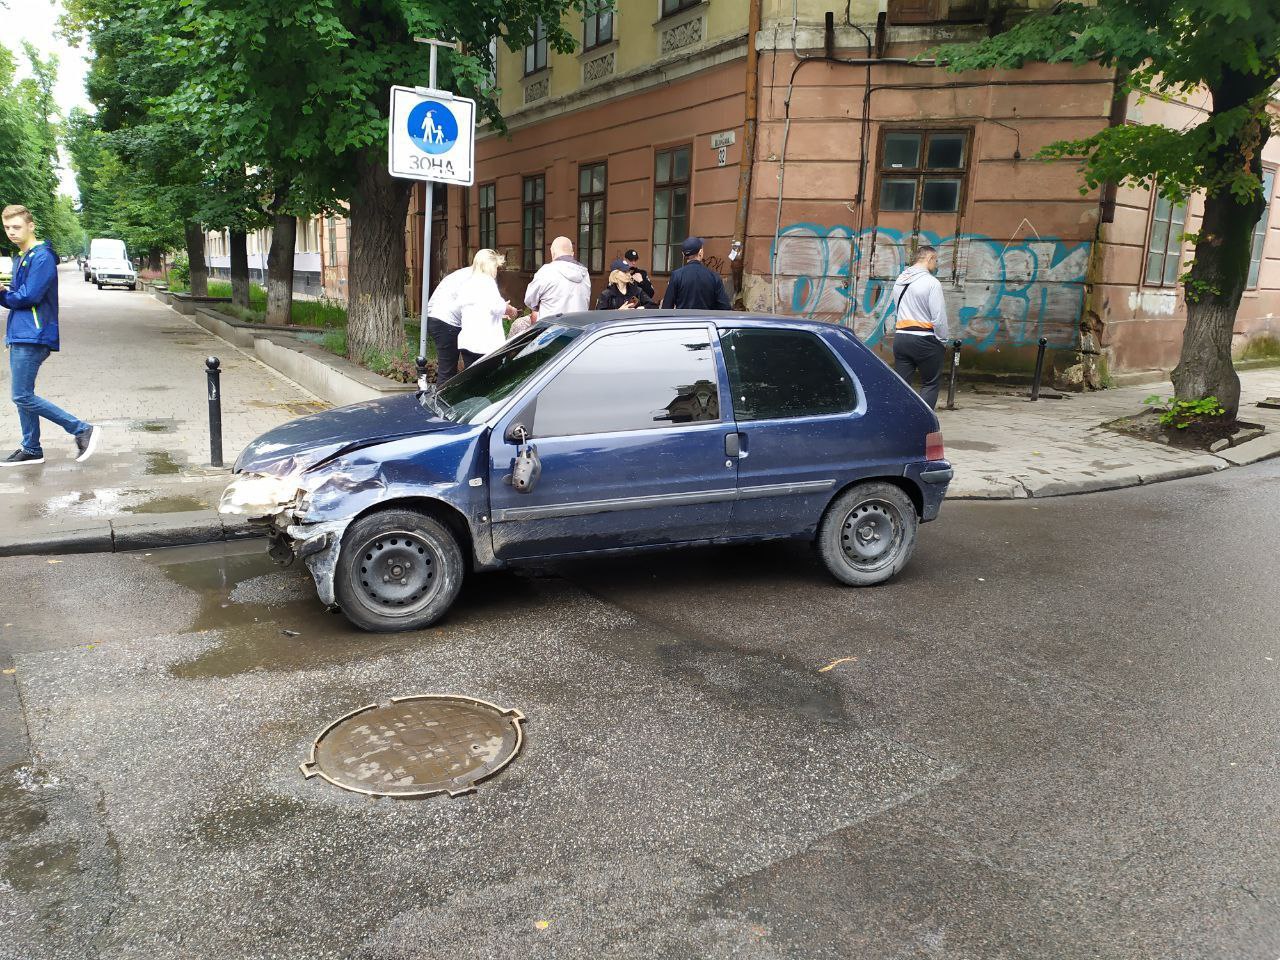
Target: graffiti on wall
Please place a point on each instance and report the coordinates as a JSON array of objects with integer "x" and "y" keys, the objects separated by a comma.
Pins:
[{"x": 998, "y": 293}]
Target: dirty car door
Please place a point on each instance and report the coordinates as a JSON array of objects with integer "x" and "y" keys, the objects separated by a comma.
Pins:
[{"x": 632, "y": 449}]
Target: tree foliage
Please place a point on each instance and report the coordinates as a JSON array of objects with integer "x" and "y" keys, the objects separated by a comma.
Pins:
[
  {"x": 29, "y": 127},
  {"x": 1180, "y": 50}
]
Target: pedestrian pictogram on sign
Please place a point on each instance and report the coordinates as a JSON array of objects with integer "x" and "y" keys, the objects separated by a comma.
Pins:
[{"x": 432, "y": 136}]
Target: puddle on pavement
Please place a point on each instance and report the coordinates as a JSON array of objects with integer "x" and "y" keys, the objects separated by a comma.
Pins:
[
  {"x": 251, "y": 821},
  {"x": 299, "y": 408},
  {"x": 40, "y": 865},
  {"x": 251, "y": 603},
  {"x": 161, "y": 463},
  {"x": 154, "y": 426},
  {"x": 977, "y": 446},
  {"x": 168, "y": 505},
  {"x": 21, "y": 812}
]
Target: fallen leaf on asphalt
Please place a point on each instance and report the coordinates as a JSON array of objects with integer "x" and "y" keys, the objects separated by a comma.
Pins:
[
  {"x": 8, "y": 671},
  {"x": 53, "y": 561},
  {"x": 835, "y": 663},
  {"x": 542, "y": 924}
]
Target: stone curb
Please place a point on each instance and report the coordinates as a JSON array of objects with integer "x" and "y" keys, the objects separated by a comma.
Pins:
[{"x": 116, "y": 535}]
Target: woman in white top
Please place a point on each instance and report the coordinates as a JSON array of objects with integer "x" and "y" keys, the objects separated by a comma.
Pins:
[{"x": 482, "y": 308}]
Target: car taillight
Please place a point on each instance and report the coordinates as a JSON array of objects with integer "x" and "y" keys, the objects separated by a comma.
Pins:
[{"x": 933, "y": 449}]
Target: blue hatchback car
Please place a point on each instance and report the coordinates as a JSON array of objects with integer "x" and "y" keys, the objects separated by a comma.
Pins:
[{"x": 600, "y": 432}]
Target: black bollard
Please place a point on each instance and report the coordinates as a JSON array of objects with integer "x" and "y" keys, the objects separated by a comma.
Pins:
[
  {"x": 422, "y": 373},
  {"x": 955, "y": 370},
  {"x": 1035, "y": 383},
  {"x": 215, "y": 410}
]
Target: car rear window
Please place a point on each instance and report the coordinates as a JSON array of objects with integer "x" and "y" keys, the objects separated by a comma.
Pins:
[{"x": 776, "y": 374}]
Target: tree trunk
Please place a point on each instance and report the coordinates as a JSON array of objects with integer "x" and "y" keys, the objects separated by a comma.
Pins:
[
  {"x": 375, "y": 267},
  {"x": 1221, "y": 266},
  {"x": 284, "y": 229},
  {"x": 155, "y": 261},
  {"x": 240, "y": 269},
  {"x": 195, "y": 259}
]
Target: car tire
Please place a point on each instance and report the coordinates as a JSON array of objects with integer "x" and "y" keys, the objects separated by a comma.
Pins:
[
  {"x": 99, "y": 286},
  {"x": 419, "y": 550},
  {"x": 868, "y": 533},
  {"x": 133, "y": 287}
]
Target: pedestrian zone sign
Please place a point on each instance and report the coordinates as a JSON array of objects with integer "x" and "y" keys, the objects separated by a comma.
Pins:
[{"x": 432, "y": 136}]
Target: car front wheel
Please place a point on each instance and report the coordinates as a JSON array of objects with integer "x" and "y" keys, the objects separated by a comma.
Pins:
[
  {"x": 868, "y": 533},
  {"x": 398, "y": 570}
]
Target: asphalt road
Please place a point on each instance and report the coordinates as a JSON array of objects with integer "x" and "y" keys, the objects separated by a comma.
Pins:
[{"x": 1054, "y": 736}]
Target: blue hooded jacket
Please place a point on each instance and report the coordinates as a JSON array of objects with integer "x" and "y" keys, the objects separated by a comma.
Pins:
[{"x": 32, "y": 298}]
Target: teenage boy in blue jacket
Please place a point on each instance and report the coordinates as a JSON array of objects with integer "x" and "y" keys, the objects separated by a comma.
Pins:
[{"x": 31, "y": 335}]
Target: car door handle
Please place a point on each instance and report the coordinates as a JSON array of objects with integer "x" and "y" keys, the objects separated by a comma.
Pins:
[{"x": 735, "y": 445}]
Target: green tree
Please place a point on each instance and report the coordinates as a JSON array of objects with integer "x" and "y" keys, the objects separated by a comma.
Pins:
[
  {"x": 1173, "y": 49},
  {"x": 29, "y": 127},
  {"x": 301, "y": 88}
]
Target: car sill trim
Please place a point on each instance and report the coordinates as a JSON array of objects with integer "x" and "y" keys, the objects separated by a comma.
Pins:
[{"x": 588, "y": 507}]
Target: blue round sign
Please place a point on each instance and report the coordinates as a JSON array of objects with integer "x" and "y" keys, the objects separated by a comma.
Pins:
[{"x": 432, "y": 127}]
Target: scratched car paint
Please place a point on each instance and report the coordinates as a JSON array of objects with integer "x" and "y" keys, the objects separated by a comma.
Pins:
[{"x": 601, "y": 433}]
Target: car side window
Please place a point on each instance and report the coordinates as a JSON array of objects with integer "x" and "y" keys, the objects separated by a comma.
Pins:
[
  {"x": 775, "y": 374},
  {"x": 634, "y": 380}
]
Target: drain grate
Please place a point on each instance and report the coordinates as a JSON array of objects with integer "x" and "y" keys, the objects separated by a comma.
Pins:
[{"x": 417, "y": 746}]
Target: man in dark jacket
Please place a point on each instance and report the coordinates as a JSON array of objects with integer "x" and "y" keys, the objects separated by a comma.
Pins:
[
  {"x": 695, "y": 286},
  {"x": 31, "y": 334}
]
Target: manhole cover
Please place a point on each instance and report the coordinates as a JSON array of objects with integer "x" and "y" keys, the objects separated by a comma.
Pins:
[{"x": 417, "y": 746}]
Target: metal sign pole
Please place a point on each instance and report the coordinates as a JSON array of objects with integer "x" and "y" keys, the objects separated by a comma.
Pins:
[{"x": 427, "y": 209}]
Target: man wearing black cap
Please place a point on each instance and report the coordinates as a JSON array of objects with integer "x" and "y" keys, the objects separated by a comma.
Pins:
[
  {"x": 695, "y": 286},
  {"x": 627, "y": 263}
]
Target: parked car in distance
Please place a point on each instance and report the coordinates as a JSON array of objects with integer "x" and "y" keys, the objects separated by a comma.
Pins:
[
  {"x": 596, "y": 433},
  {"x": 108, "y": 264}
]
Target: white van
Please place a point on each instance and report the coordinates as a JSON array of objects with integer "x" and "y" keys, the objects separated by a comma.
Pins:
[{"x": 108, "y": 264}]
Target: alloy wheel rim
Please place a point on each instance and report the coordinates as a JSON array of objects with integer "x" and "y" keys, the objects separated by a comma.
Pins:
[
  {"x": 399, "y": 573},
  {"x": 871, "y": 535}
]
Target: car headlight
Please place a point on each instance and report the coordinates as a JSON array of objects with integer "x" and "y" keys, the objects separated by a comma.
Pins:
[{"x": 257, "y": 496}]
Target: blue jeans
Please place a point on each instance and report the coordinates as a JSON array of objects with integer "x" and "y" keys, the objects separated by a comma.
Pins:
[{"x": 24, "y": 364}]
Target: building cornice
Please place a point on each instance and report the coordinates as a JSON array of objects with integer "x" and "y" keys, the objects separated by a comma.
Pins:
[{"x": 688, "y": 62}]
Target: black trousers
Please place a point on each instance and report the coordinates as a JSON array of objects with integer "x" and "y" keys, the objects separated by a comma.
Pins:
[
  {"x": 445, "y": 337},
  {"x": 912, "y": 353},
  {"x": 469, "y": 357}
]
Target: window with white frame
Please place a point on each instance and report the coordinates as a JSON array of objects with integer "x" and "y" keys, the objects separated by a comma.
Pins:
[
  {"x": 1260, "y": 231},
  {"x": 535, "y": 54},
  {"x": 1164, "y": 244}
]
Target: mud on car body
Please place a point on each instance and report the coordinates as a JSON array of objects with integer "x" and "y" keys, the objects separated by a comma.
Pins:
[{"x": 600, "y": 433}]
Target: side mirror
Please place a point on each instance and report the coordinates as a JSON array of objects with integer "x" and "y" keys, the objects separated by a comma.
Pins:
[{"x": 526, "y": 470}]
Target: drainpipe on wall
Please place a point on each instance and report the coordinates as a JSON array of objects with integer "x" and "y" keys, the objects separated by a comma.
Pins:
[{"x": 746, "y": 165}]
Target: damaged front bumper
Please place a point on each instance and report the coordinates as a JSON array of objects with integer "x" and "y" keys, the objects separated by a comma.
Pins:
[{"x": 318, "y": 545}]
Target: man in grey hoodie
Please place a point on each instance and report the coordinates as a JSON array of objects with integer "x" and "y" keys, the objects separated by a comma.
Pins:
[
  {"x": 561, "y": 286},
  {"x": 920, "y": 335}
]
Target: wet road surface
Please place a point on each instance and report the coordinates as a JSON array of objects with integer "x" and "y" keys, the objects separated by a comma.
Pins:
[{"x": 1054, "y": 736}]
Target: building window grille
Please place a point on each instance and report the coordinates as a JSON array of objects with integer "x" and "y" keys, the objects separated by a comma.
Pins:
[
  {"x": 533, "y": 216},
  {"x": 535, "y": 54},
  {"x": 488, "y": 216},
  {"x": 672, "y": 171},
  {"x": 1164, "y": 245},
  {"x": 923, "y": 170},
  {"x": 592, "y": 184}
]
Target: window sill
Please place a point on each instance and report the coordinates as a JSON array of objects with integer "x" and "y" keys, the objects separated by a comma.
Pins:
[
  {"x": 599, "y": 50},
  {"x": 679, "y": 16},
  {"x": 537, "y": 75}
]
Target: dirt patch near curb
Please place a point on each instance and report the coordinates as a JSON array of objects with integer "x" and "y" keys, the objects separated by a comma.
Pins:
[{"x": 1195, "y": 436}]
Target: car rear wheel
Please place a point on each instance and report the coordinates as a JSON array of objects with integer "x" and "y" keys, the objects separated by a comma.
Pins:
[
  {"x": 868, "y": 533},
  {"x": 398, "y": 570},
  {"x": 99, "y": 286}
]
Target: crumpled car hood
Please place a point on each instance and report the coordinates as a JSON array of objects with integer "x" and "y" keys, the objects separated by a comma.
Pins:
[{"x": 301, "y": 444}]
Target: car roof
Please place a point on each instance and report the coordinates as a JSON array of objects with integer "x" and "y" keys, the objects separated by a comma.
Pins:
[{"x": 598, "y": 319}]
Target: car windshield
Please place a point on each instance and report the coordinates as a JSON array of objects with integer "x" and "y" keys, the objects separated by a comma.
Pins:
[{"x": 472, "y": 394}]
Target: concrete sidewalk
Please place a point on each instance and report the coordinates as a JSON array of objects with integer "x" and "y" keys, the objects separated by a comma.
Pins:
[
  {"x": 1005, "y": 447},
  {"x": 136, "y": 368}
]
